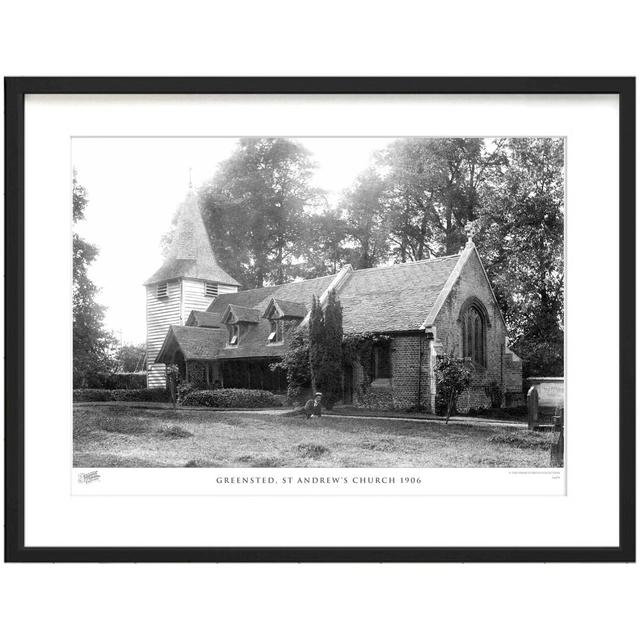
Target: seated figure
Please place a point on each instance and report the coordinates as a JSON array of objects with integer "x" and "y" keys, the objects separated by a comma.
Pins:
[{"x": 313, "y": 406}]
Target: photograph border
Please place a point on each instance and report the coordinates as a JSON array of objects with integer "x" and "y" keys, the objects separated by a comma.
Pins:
[{"x": 15, "y": 91}]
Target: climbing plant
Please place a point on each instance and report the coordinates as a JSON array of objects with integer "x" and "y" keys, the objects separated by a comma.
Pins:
[
  {"x": 357, "y": 348},
  {"x": 295, "y": 364},
  {"x": 453, "y": 376}
]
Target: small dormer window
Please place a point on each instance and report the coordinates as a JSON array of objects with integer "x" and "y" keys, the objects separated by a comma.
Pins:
[
  {"x": 211, "y": 289},
  {"x": 275, "y": 336},
  {"x": 234, "y": 335},
  {"x": 162, "y": 291}
]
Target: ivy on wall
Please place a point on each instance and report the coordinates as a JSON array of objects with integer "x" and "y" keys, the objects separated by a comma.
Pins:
[{"x": 357, "y": 348}]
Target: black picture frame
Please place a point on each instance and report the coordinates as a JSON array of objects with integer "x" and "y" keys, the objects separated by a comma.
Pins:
[{"x": 15, "y": 91}]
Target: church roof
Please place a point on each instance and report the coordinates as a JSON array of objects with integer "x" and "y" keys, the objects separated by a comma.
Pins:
[
  {"x": 190, "y": 254},
  {"x": 196, "y": 343},
  {"x": 285, "y": 309},
  {"x": 394, "y": 298},
  {"x": 203, "y": 319},
  {"x": 389, "y": 299},
  {"x": 236, "y": 313}
]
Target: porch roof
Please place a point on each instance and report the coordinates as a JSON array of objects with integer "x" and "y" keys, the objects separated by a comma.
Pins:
[{"x": 195, "y": 343}]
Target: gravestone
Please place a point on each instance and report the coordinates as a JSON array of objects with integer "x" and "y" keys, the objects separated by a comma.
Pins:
[
  {"x": 532, "y": 408},
  {"x": 556, "y": 453}
]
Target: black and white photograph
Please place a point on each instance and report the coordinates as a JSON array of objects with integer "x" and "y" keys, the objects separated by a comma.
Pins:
[
  {"x": 339, "y": 302},
  {"x": 365, "y": 316},
  {"x": 320, "y": 321}
]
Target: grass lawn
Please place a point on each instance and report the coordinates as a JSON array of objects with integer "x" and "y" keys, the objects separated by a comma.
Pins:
[{"x": 111, "y": 436}]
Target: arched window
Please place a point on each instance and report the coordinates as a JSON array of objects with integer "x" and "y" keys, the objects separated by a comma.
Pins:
[{"x": 474, "y": 333}]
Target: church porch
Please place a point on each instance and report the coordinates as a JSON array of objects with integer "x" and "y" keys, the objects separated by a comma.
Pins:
[{"x": 235, "y": 374}]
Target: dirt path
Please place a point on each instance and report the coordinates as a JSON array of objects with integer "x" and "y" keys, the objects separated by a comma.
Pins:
[{"x": 274, "y": 411}]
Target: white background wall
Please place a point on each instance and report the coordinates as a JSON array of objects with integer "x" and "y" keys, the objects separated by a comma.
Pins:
[{"x": 328, "y": 38}]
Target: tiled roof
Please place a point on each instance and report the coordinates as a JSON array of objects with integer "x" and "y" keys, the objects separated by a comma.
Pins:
[
  {"x": 287, "y": 308},
  {"x": 383, "y": 300},
  {"x": 249, "y": 298},
  {"x": 236, "y": 313},
  {"x": 394, "y": 298},
  {"x": 299, "y": 292},
  {"x": 253, "y": 338},
  {"x": 196, "y": 343},
  {"x": 203, "y": 319},
  {"x": 253, "y": 343},
  {"x": 190, "y": 254},
  {"x": 303, "y": 290}
]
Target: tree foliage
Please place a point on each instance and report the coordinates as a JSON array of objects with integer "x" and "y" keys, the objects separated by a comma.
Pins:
[
  {"x": 330, "y": 377},
  {"x": 131, "y": 357},
  {"x": 366, "y": 218},
  {"x": 314, "y": 355},
  {"x": 92, "y": 345},
  {"x": 421, "y": 197},
  {"x": 316, "y": 350},
  {"x": 255, "y": 209},
  {"x": 418, "y": 199},
  {"x": 295, "y": 364},
  {"x": 521, "y": 236},
  {"x": 453, "y": 376},
  {"x": 432, "y": 192},
  {"x": 323, "y": 246}
]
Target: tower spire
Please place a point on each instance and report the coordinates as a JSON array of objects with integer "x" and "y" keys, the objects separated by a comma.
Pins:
[
  {"x": 190, "y": 183},
  {"x": 190, "y": 254}
]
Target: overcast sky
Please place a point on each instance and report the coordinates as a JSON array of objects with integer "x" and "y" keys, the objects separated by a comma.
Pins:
[{"x": 135, "y": 186}]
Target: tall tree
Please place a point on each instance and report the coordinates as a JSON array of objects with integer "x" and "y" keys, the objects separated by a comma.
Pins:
[
  {"x": 131, "y": 357},
  {"x": 316, "y": 338},
  {"x": 432, "y": 192},
  {"x": 332, "y": 347},
  {"x": 325, "y": 348},
  {"x": 255, "y": 208},
  {"x": 366, "y": 216},
  {"x": 521, "y": 237},
  {"x": 92, "y": 344},
  {"x": 411, "y": 178},
  {"x": 324, "y": 247}
]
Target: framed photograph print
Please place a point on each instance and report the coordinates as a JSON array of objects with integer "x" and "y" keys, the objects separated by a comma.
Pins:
[{"x": 320, "y": 319}]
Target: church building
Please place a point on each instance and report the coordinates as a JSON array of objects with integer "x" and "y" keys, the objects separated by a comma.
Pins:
[{"x": 218, "y": 335}]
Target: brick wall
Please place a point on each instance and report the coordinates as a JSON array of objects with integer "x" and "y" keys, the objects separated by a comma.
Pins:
[
  {"x": 409, "y": 377},
  {"x": 401, "y": 391},
  {"x": 502, "y": 366}
]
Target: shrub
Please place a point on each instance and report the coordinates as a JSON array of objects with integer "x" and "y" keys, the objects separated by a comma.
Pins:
[
  {"x": 295, "y": 364},
  {"x": 453, "y": 377},
  {"x": 116, "y": 381},
  {"x": 231, "y": 398},
  {"x": 91, "y": 395},
  {"x": 120, "y": 395},
  {"x": 141, "y": 395},
  {"x": 184, "y": 389}
]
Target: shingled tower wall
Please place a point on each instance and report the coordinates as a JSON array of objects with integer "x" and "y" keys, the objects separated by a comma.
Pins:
[{"x": 189, "y": 280}]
